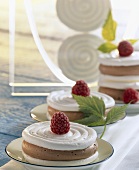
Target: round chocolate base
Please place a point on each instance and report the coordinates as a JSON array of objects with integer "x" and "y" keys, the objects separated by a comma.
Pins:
[
  {"x": 119, "y": 70},
  {"x": 57, "y": 155},
  {"x": 116, "y": 94},
  {"x": 71, "y": 115}
]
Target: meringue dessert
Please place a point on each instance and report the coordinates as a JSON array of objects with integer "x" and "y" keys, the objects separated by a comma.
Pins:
[
  {"x": 44, "y": 144},
  {"x": 119, "y": 74},
  {"x": 63, "y": 101}
]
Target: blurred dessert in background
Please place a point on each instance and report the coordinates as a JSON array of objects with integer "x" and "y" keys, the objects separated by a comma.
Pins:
[{"x": 119, "y": 75}]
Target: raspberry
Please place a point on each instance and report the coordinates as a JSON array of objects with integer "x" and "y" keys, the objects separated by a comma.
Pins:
[
  {"x": 60, "y": 123},
  {"x": 130, "y": 95},
  {"x": 81, "y": 88},
  {"x": 125, "y": 49}
]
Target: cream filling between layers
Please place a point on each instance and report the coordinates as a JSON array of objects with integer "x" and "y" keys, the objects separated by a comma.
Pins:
[
  {"x": 79, "y": 136},
  {"x": 60, "y": 163},
  {"x": 62, "y": 100},
  {"x": 108, "y": 60},
  {"x": 119, "y": 82}
]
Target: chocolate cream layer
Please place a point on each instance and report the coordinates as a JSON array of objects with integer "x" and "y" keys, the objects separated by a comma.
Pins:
[
  {"x": 117, "y": 94},
  {"x": 58, "y": 155},
  {"x": 119, "y": 70},
  {"x": 72, "y": 115}
]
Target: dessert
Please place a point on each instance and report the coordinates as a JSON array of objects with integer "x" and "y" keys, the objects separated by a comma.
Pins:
[
  {"x": 42, "y": 146},
  {"x": 119, "y": 70},
  {"x": 63, "y": 101},
  {"x": 119, "y": 73}
]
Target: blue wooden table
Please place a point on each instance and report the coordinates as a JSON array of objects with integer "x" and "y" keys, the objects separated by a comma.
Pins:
[{"x": 14, "y": 115}]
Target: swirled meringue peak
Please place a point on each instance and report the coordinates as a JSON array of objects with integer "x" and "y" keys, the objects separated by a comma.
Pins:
[
  {"x": 79, "y": 136},
  {"x": 131, "y": 60},
  {"x": 63, "y": 100}
]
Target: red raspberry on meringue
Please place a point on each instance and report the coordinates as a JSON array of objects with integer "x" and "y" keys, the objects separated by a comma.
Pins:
[{"x": 81, "y": 88}]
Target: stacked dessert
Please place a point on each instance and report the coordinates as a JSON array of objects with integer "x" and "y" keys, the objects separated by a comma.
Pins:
[
  {"x": 59, "y": 143},
  {"x": 119, "y": 76},
  {"x": 64, "y": 101}
]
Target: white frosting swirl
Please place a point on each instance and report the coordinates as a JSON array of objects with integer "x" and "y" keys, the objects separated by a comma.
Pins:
[
  {"x": 125, "y": 79},
  {"x": 62, "y": 100},
  {"x": 119, "y": 82},
  {"x": 79, "y": 136},
  {"x": 131, "y": 60}
]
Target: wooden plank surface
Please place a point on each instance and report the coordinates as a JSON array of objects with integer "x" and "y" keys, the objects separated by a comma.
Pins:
[{"x": 14, "y": 111}]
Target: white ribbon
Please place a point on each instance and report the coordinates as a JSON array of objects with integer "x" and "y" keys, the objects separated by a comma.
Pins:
[{"x": 55, "y": 70}]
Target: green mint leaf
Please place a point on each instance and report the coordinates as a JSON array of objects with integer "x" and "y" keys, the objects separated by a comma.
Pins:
[
  {"x": 85, "y": 105},
  {"x": 90, "y": 105},
  {"x": 116, "y": 113},
  {"x": 100, "y": 122},
  {"x": 107, "y": 47},
  {"x": 92, "y": 120},
  {"x": 109, "y": 28},
  {"x": 133, "y": 41}
]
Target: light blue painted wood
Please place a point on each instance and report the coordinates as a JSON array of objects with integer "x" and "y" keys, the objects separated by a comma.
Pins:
[{"x": 14, "y": 115}]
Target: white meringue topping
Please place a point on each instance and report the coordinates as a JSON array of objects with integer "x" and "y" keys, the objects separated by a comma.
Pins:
[
  {"x": 63, "y": 100},
  {"x": 79, "y": 136}
]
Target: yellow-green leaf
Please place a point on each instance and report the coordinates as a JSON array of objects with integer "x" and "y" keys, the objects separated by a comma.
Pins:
[
  {"x": 109, "y": 28},
  {"x": 107, "y": 47},
  {"x": 133, "y": 41}
]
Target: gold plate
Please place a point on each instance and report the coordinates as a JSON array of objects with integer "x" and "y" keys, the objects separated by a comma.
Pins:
[{"x": 14, "y": 151}]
